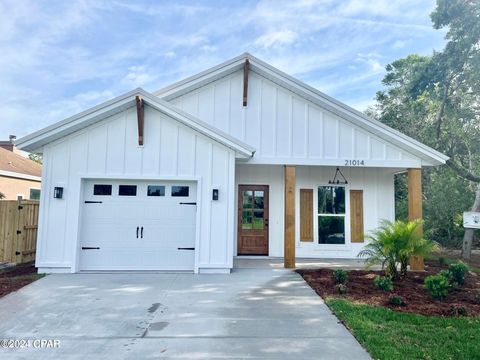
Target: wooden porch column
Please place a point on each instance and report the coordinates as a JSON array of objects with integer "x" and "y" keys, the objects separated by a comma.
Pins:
[
  {"x": 415, "y": 208},
  {"x": 289, "y": 232}
]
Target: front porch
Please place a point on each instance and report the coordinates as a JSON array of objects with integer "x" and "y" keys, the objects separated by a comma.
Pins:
[{"x": 246, "y": 262}]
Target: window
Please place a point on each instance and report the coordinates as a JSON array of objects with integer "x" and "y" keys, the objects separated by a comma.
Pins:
[
  {"x": 127, "y": 190},
  {"x": 101, "y": 189},
  {"x": 331, "y": 215},
  {"x": 155, "y": 190},
  {"x": 253, "y": 210},
  {"x": 34, "y": 194},
  {"x": 180, "y": 191}
]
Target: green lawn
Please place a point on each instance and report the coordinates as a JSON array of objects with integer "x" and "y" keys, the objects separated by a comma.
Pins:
[{"x": 387, "y": 334}]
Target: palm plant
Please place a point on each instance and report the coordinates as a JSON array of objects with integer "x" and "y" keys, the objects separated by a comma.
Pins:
[{"x": 393, "y": 243}]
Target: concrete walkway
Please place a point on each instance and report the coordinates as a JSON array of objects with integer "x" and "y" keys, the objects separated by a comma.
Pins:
[{"x": 251, "y": 313}]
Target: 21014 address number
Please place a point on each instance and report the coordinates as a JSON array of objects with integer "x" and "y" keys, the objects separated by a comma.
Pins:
[{"x": 354, "y": 162}]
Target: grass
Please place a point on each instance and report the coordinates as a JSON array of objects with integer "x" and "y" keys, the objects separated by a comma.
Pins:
[{"x": 387, "y": 334}]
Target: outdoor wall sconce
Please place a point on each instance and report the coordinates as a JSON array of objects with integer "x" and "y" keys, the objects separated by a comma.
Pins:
[
  {"x": 336, "y": 181},
  {"x": 58, "y": 192},
  {"x": 215, "y": 194}
]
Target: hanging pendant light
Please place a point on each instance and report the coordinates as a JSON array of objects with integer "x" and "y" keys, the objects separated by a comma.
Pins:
[{"x": 336, "y": 178}]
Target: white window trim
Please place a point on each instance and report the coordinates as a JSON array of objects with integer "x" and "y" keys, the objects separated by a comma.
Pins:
[{"x": 346, "y": 217}]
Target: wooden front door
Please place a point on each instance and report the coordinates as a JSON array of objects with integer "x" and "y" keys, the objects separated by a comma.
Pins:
[{"x": 253, "y": 220}]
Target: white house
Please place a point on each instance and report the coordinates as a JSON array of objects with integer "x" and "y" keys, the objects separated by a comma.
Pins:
[{"x": 240, "y": 159}]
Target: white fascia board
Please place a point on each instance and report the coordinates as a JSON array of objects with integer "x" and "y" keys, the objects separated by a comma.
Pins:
[
  {"x": 344, "y": 110},
  {"x": 244, "y": 150},
  {"x": 38, "y": 139},
  {"x": 429, "y": 156},
  {"x": 16, "y": 175},
  {"x": 207, "y": 76}
]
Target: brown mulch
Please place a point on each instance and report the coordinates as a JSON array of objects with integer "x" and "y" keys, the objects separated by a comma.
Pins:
[
  {"x": 16, "y": 277},
  {"x": 360, "y": 288}
]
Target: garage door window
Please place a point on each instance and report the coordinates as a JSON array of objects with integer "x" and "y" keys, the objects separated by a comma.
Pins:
[
  {"x": 127, "y": 190},
  {"x": 102, "y": 189},
  {"x": 180, "y": 191},
  {"x": 156, "y": 190}
]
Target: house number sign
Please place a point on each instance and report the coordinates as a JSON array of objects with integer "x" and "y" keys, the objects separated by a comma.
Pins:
[{"x": 351, "y": 162}]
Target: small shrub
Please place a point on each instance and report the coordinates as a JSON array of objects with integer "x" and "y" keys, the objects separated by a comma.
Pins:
[
  {"x": 340, "y": 276},
  {"x": 437, "y": 286},
  {"x": 457, "y": 311},
  {"x": 384, "y": 283},
  {"x": 457, "y": 272},
  {"x": 341, "y": 289},
  {"x": 442, "y": 260},
  {"x": 396, "y": 300}
]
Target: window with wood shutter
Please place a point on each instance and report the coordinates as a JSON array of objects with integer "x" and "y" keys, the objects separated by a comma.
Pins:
[
  {"x": 306, "y": 215},
  {"x": 356, "y": 215}
]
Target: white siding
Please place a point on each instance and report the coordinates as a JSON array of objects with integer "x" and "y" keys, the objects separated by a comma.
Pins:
[
  {"x": 285, "y": 128},
  {"x": 110, "y": 149},
  {"x": 378, "y": 198}
]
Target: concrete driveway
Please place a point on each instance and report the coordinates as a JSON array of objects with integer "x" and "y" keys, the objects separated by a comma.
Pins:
[{"x": 251, "y": 313}]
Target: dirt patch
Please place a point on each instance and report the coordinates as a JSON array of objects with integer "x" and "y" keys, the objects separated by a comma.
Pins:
[
  {"x": 360, "y": 288},
  {"x": 16, "y": 277}
]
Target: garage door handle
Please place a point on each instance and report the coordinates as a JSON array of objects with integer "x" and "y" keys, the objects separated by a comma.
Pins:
[
  {"x": 188, "y": 203},
  {"x": 186, "y": 248},
  {"x": 137, "y": 231},
  {"x": 90, "y": 248},
  {"x": 141, "y": 232}
]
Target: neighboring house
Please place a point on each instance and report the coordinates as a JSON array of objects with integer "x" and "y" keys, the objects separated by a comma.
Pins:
[
  {"x": 19, "y": 176},
  {"x": 237, "y": 160}
]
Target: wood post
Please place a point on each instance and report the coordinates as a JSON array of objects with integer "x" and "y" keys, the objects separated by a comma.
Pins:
[
  {"x": 245, "y": 81},
  {"x": 289, "y": 232},
  {"x": 415, "y": 208},
  {"x": 140, "y": 119}
]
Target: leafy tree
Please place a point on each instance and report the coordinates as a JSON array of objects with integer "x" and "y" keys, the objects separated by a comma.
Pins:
[
  {"x": 35, "y": 157},
  {"x": 2, "y": 196},
  {"x": 436, "y": 99}
]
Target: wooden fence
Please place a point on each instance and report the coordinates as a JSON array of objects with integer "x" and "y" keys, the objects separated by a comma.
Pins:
[{"x": 18, "y": 230}]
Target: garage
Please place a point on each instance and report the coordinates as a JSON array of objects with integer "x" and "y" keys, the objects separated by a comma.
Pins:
[{"x": 138, "y": 225}]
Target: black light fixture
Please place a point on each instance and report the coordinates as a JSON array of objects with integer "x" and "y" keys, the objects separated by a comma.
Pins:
[
  {"x": 58, "y": 192},
  {"x": 336, "y": 181},
  {"x": 215, "y": 194}
]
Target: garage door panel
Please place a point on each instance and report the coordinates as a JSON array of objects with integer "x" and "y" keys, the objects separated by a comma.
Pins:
[{"x": 112, "y": 227}]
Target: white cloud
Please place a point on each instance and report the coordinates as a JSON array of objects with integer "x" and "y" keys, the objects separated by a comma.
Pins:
[
  {"x": 137, "y": 76},
  {"x": 276, "y": 38}
]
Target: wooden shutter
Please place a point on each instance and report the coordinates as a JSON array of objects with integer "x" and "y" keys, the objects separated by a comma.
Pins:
[
  {"x": 306, "y": 214},
  {"x": 356, "y": 216}
]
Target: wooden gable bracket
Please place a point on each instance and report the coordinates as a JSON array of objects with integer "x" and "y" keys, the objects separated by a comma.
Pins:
[
  {"x": 245, "y": 81},
  {"x": 140, "y": 119}
]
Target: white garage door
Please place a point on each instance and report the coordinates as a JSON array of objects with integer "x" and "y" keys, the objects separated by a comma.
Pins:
[{"x": 138, "y": 225}]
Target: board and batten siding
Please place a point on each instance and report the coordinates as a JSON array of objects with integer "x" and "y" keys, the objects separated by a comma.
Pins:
[
  {"x": 109, "y": 149},
  {"x": 286, "y": 128},
  {"x": 378, "y": 203}
]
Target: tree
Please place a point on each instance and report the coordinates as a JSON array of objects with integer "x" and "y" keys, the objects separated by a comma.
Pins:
[
  {"x": 436, "y": 99},
  {"x": 2, "y": 196}
]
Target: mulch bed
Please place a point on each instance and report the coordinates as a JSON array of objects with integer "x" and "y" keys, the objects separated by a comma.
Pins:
[
  {"x": 16, "y": 277},
  {"x": 360, "y": 288}
]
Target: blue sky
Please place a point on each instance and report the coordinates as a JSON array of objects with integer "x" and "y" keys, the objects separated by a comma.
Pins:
[{"x": 58, "y": 58}]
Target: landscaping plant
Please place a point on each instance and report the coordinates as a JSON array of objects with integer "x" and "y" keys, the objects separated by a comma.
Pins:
[
  {"x": 457, "y": 272},
  {"x": 396, "y": 300},
  {"x": 340, "y": 276},
  {"x": 341, "y": 289},
  {"x": 393, "y": 243},
  {"x": 384, "y": 283},
  {"x": 437, "y": 286}
]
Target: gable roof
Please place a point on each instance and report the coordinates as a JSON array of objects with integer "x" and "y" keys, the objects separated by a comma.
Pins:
[
  {"x": 15, "y": 165},
  {"x": 428, "y": 155},
  {"x": 36, "y": 140}
]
